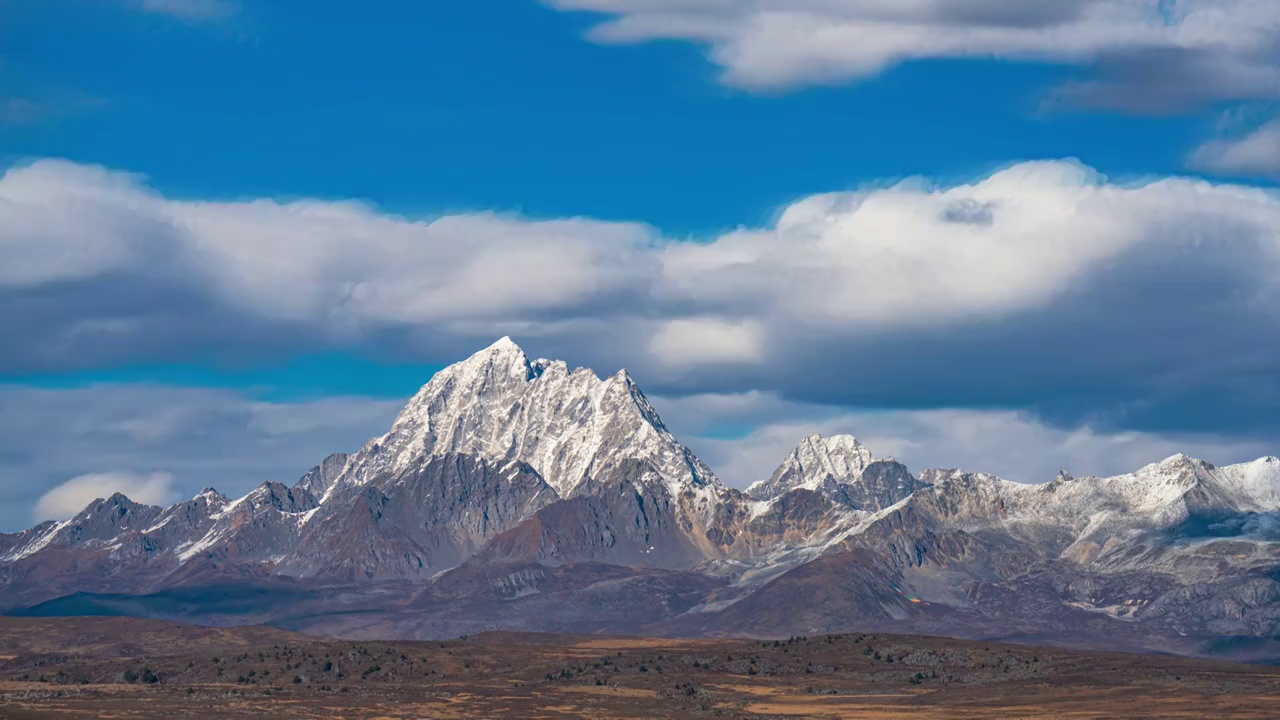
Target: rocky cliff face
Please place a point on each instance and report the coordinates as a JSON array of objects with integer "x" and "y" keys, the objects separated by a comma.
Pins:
[
  {"x": 320, "y": 478},
  {"x": 424, "y": 518},
  {"x": 521, "y": 494}
]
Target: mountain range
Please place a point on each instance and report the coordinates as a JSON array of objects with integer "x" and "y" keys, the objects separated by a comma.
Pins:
[{"x": 521, "y": 494}]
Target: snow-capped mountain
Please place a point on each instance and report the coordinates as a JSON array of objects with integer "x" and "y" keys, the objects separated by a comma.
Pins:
[
  {"x": 520, "y": 494},
  {"x": 815, "y": 462},
  {"x": 569, "y": 424},
  {"x": 842, "y": 469},
  {"x": 484, "y": 446}
]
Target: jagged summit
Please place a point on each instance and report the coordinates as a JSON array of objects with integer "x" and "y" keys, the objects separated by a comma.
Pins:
[
  {"x": 816, "y": 460},
  {"x": 842, "y": 468},
  {"x": 1177, "y": 460},
  {"x": 569, "y": 425}
]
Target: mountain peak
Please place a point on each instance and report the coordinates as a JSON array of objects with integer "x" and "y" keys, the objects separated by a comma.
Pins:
[
  {"x": 504, "y": 355},
  {"x": 815, "y": 462},
  {"x": 504, "y": 344},
  {"x": 838, "y": 443},
  {"x": 843, "y": 469},
  {"x": 838, "y": 454},
  {"x": 1177, "y": 465},
  {"x": 1178, "y": 459},
  {"x": 570, "y": 427}
]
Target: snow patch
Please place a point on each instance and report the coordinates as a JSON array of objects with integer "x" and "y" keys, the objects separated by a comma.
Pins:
[{"x": 39, "y": 543}]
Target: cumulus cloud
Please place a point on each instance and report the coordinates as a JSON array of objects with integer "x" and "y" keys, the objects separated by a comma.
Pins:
[
  {"x": 100, "y": 263},
  {"x": 1254, "y": 154},
  {"x": 74, "y": 495},
  {"x": 1044, "y": 286},
  {"x": 1151, "y": 53}
]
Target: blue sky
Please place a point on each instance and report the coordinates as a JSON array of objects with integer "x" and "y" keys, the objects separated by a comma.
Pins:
[
  {"x": 601, "y": 144},
  {"x": 435, "y": 107}
]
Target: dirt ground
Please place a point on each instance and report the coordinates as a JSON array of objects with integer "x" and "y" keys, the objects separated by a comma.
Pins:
[{"x": 114, "y": 668}]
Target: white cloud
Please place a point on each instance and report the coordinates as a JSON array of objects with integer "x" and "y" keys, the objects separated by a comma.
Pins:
[
  {"x": 1013, "y": 445},
  {"x": 1044, "y": 285},
  {"x": 697, "y": 341},
  {"x": 1227, "y": 46},
  {"x": 74, "y": 495},
  {"x": 1254, "y": 154},
  {"x": 340, "y": 265},
  {"x": 911, "y": 253},
  {"x": 917, "y": 254}
]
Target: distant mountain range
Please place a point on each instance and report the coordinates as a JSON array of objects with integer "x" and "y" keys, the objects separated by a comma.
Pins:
[{"x": 518, "y": 494}]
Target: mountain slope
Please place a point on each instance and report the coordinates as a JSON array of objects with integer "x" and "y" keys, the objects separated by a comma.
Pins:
[
  {"x": 483, "y": 447},
  {"x": 518, "y": 494}
]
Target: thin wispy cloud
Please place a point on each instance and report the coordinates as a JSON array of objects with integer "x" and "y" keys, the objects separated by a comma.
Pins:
[
  {"x": 33, "y": 111},
  {"x": 191, "y": 10}
]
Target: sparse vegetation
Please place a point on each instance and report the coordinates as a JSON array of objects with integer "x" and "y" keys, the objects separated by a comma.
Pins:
[{"x": 826, "y": 675}]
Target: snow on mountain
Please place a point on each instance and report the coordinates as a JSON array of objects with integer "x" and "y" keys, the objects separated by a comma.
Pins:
[
  {"x": 815, "y": 461},
  {"x": 506, "y": 470},
  {"x": 1108, "y": 521},
  {"x": 29, "y": 542},
  {"x": 1249, "y": 487},
  {"x": 528, "y": 424},
  {"x": 841, "y": 468},
  {"x": 264, "y": 524},
  {"x": 569, "y": 425},
  {"x": 1164, "y": 492}
]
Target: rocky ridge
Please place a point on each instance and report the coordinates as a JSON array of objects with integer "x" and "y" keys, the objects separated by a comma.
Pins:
[{"x": 512, "y": 493}]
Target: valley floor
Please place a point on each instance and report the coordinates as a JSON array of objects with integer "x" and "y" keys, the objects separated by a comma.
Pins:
[{"x": 120, "y": 668}]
